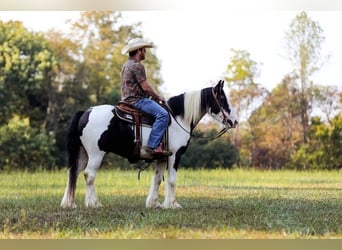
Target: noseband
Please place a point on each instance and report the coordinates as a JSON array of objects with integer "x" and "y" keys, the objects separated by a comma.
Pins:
[{"x": 225, "y": 118}]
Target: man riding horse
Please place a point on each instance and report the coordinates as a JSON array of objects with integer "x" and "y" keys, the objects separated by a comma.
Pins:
[
  {"x": 136, "y": 91},
  {"x": 99, "y": 130}
]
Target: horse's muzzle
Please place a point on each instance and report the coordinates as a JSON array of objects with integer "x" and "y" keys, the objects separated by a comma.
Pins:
[{"x": 230, "y": 124}]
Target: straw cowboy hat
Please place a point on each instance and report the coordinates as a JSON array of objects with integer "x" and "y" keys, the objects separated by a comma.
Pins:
[{"x": 135, "y": 44}]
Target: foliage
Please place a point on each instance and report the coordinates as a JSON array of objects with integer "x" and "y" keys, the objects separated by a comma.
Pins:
[
  {"x": 244, "y": 95},
  {"x": 304, "y": 39},
  {"x": 208, "y": 154},
  {"x": 240, "y": 76},
  {"x": 25, "y": 147},
  {"x": 324, "y": 150},
  {"x": 25, "y": 60},
  {"x": 275, "y": 127},
  {"x": 276, "y": 133},
  {"x": 46, "y": 78},
  {"x": 216, "y": 204},
  {"x": 275, "y": 140}
]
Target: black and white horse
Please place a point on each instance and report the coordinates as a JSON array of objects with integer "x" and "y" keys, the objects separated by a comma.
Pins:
[{"x": 97, "y": 131}]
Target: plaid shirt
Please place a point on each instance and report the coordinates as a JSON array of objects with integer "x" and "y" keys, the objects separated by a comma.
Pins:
[{"x": 132, "y": 74}]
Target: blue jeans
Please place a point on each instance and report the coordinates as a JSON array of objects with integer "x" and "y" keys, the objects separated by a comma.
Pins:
[{"x": 161, "y": 123}]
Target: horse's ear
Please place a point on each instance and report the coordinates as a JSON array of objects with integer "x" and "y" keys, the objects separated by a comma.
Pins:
[
  {"x": 219, "y": 86},
  {"x": 221, "y": 82}
]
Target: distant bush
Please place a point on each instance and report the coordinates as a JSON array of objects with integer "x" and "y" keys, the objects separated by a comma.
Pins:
[
  {"x": 324, "y": 149},
  {"x": 24, "y": 147},
  {"x": 208, "y": 154}
]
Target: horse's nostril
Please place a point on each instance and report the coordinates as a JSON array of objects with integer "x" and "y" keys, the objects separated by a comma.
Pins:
[{"x": 229, "y": 122}]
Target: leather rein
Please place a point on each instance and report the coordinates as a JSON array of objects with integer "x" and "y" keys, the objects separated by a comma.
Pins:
[{"x": 219, "y": 134}]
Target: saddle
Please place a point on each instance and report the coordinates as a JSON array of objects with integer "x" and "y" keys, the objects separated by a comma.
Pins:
[{"x": 128, "y": 113}]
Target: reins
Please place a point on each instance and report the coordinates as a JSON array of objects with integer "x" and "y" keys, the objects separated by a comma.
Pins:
[{"x": 219, "y": 134}]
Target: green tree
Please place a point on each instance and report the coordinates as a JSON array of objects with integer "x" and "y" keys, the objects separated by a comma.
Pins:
[
  {"x": 67, "y": 91},
  {"x": 101, "y": 36},
  {"x": 303, "y": 43},
  {"x": 25, "y": 147},
  {"x": 240, "y": 76},
  {"x": 324, "y": 151},
  {"x": 204, "y": 153},
  {"x": 95, "y": 43},
  {"x": 25, "y": 62}
]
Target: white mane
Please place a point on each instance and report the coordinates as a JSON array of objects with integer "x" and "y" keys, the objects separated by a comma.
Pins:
[{"x": 192, "y": 107}]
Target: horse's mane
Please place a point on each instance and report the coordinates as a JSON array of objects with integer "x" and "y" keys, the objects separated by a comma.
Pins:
[
  {"x": 187, "y": 105},
  {"x": 192, "y": 107}
]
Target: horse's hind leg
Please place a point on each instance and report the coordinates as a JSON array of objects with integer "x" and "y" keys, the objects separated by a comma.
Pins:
[
  {"x": 94, "y": 162},
  {"x": 69, "y": 194},
  {"x": 152, "y": 198}
]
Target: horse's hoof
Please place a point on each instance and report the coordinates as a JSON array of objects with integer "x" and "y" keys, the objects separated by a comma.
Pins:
[
  {"x": 95, "y": 204},
  {"x": 173, "y": 205},
  {"x": 66, "y": 205},
  {"x": 155, "y": 205},
  {"x": 176, "y": 205}
]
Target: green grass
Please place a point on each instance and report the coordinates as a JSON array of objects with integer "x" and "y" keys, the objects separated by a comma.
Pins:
[{"x": 216, "y": 204}]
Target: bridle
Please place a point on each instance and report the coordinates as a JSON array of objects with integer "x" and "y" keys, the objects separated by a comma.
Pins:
[
  {"x": 220, "y": 133},
  {"x": 225, "y": 118}
]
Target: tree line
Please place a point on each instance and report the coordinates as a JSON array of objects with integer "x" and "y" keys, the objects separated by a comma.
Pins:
[
  {"x": 296, "y": 125},
  {"x": 46, "y": 77}
]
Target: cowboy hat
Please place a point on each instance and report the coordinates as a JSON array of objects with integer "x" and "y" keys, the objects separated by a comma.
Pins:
[{"x": 134, "y": 44}]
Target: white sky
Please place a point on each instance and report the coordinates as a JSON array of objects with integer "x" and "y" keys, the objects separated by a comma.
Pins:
[{"x": 194, "y": 46}]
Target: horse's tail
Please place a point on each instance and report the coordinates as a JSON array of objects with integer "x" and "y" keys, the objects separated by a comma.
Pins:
[{"x": 73, "y": 148}]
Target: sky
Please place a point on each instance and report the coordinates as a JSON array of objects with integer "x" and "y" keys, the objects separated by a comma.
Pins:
[{"x": 194, "y": 47}]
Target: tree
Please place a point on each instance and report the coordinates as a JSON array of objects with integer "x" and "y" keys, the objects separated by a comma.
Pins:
[
  {"x": 327, "y": 101},
  {"x": 244, "y": 95},
  {"x": 25, "y": 60},
  {"x": 324, "y": 150},
  {"x": 88, "y": 68},
  {"x": 101, "y": 36},
  {"x": 44, "y": 80},
  {"x": 203, "y": 153},
  {"x": 275, "y": 127},
  {"x": 25, "y": 147},
  {"x": 303, "y": 42},
  {"x": 240, "y": 76}
]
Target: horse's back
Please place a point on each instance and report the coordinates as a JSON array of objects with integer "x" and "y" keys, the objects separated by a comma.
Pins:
[{"x": 101, "y": 114}]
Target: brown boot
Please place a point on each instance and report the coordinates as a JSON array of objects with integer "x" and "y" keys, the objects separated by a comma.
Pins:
[{"x": 160, "y": 152}]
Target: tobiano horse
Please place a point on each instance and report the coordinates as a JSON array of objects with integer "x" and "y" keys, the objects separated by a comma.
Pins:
[{"x": 97, "y": 131}]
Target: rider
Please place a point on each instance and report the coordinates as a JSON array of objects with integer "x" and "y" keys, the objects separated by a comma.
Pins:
[{"x": 136, "y": 91}]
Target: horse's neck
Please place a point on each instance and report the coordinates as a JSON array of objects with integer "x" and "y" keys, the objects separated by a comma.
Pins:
[
  {"x": 189, "y": 106},
  {"x": 193, "y": 112}
]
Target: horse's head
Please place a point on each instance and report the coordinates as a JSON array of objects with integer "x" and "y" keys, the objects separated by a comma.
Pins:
[{"x": 219, "y": 107}]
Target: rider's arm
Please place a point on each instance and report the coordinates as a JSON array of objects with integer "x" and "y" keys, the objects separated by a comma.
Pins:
[{"x": 149, "y": 91}]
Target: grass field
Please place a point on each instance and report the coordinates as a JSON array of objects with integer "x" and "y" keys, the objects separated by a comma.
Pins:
[{"x": 216, "y": 204}]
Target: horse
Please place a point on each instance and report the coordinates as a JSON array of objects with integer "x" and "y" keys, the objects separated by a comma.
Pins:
[{"x": 97, "y": 131}]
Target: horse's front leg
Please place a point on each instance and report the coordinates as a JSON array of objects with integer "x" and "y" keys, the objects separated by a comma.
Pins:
[
  {"x": 170, "y": 189},
  {"x": 152, "y": 198}
]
